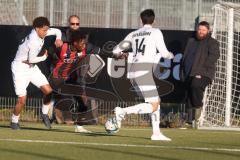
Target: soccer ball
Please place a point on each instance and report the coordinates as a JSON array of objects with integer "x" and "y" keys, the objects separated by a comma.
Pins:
[{"x": 111, "y": 126}]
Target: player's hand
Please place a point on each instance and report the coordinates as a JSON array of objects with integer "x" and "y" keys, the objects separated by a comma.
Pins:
[
  {"x": 198, "y": 76},
  {"x": 171, "y": 56},
  {"x": 123, "y": 55},
  {"x": 58, "y": 43},
  {"x": 46, "y": 53}
]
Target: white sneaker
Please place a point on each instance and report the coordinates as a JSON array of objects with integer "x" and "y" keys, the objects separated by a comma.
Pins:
[
  {"x": 119, "y": 113},
  {"x": 81, "y": 129},
  {"x": 159, "y": 137}
]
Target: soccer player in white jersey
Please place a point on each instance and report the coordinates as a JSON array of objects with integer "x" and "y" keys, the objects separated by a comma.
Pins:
[
  {"x": 145, "y": 43},
  {"x": 25, "y": 70}
]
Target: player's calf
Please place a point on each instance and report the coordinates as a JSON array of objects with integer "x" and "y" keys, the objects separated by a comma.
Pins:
[
  {"x": 119, "y": 113},
  {"x": 16, "y": 113}
]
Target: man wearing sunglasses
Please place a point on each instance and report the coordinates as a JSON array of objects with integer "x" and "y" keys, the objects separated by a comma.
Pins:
[{"x": 73, "y": 25}]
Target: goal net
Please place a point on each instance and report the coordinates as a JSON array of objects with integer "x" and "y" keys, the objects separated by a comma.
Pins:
[{"x": 221, "y": 109}]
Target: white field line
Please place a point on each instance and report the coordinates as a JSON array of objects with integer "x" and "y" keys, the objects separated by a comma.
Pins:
[{"x": 122, "y": 145}]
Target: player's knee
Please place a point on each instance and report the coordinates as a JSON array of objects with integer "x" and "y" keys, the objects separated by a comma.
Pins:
[
  {"x": 49, "y": 91},
  {"x": 22, "y": 100},
  {"x": 47, "y": 98},
  {"x": 155, "y": 106},
  {"x": 46, "y": 89}
]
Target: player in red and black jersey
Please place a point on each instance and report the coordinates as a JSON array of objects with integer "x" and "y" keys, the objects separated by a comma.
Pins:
[
  {"x": 74, "y": 56},
  {"x": 70, "y": 55}
]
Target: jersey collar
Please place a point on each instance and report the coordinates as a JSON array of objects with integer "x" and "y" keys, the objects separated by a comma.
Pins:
[{"x": 147, "y": 26}]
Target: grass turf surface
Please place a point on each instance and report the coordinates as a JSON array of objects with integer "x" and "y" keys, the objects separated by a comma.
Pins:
[{"x": 33, "y": 141}]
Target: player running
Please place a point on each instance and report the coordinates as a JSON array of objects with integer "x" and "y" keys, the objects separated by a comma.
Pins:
[
  {"x": 145, "y": 43},
  {"x": 25, "y": 70},
  {"x": 75, "y": 55}
]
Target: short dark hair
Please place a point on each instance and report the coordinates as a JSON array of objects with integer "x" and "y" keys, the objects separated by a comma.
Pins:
[
  {"x": 77, "y": 36},
  {"x": 147, "y": 16},
  {"x": 204, "y": 23},
  {"x": 40, "y": 22}
]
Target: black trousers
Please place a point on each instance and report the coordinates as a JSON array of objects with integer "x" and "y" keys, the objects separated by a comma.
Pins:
[{"x": 195, "y": 91}]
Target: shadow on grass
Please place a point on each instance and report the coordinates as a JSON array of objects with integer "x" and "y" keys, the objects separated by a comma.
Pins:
[
  {"x": 222, "y": 153},
  {"x": 93, "y": 134},
  {"x": 37, "y": 129},
  {"x": 220, "y": 144},
  {"x": 132, "y": 154},
  {"x": 26, "y": 153},
  {"x": 99, "y": 134},
  {"x": 149, "y": 156}
]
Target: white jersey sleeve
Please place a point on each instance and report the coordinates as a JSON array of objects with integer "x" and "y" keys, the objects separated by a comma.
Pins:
[
  {"x": 34, "y": 47},
  {"x": 33, "y": 51},
  {"x": 54, "y": 31},
  {"x": 128, "y": 37},
  {"x": 32, "y": 44},
  {"x": 161, "y": 46},
  {"x": 117, "y": 49},
  {"x": 37, "y": 59}
]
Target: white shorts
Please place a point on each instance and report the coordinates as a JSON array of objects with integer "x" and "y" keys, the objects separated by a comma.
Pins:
[
  {"x": 145, "y": 86},
  {"x": 23, "y": 74},
  {"x": 141, "y": 77}
]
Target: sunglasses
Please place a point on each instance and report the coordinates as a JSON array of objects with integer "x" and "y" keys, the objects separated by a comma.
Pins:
[{"x": 77, "y": 24}]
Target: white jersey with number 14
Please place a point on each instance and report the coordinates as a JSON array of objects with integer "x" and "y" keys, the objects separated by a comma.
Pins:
[{"x": 146, "y": 41}]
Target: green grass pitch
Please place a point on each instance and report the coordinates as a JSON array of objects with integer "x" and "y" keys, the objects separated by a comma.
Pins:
[{"x": 33, "y": 141}]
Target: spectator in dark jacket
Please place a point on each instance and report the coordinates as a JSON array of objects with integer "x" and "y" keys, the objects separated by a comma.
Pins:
[
  {"x": 198, "y": 67},
  {"x": 73, "y": 25}
]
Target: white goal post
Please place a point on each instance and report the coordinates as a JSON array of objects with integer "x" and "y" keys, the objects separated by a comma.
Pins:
[{"x": 221, "y": 109}]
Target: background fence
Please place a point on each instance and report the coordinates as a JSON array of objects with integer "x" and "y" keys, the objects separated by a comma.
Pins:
[
  {"x": 170, "y": 14},
  {"x": 175, "y": 117}
]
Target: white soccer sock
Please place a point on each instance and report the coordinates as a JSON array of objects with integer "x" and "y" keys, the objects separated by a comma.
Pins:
[
  {"x": 155, "y": 118},
  {"x": 78, "y": 126},
  {"x": 51, "y": 105},
  {"x": 45, "y": 108},
  {"x": 15, "y": 118},
  {"x": 141, "y": 108}
]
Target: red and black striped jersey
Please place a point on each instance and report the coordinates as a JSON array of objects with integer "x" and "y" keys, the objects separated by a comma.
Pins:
[{"x": 66, "y": 62}]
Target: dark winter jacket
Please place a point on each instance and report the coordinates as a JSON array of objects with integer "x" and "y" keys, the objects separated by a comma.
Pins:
[{"x": 204, "y": 61}]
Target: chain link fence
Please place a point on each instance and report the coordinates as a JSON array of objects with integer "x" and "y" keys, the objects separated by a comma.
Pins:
[
  {"x": 172, "y": 115},
  {"x": 170, "y": 14}
]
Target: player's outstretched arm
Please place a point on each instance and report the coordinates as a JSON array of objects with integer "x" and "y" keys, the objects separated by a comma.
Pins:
[
  {"x": 58, "y": 34},
  {"x": 121, "y": 50},
  {"x": 161, "y": 46}
]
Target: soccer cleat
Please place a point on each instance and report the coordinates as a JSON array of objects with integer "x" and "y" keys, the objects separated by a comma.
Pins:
[
  {"x": 81, "y": 129},
  {"x": 119, "y": 113},
  {"x": 15, "y": 126},
  {"x": 159, "y": 137},
  {"x": 46, "y": 121},
  {"x": 111, "y": 125}
]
